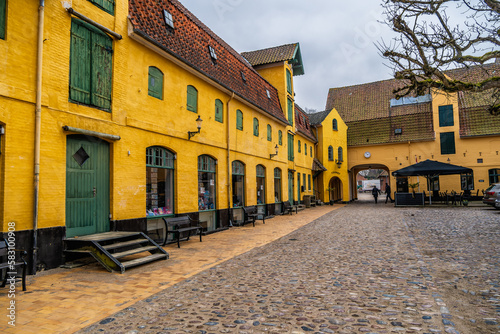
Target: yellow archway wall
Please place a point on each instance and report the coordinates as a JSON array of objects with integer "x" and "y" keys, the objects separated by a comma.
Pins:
[{"x": 327, "y": 137}]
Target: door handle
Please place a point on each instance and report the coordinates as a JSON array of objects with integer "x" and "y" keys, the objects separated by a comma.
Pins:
[{"x": 94, "y": 190}]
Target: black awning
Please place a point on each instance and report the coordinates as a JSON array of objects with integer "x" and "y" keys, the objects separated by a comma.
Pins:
[{"x": 431, "y": 168}]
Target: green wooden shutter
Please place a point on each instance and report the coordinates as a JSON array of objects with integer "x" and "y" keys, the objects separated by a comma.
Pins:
[
  {"x": 290, "y": 112},
  {"x": 255, "y": 127},
  {"x": 218, "y": 111},
  {"x": 102, "y": 66},
  {"x": 3, "y": 17},
  {"x": 447, "y": 143},
  {"x": 239, "y": 120},
  {"x": 288, "y": 82},
  {"x": 80, "y": 61},
  {"x": 280, "y": 137},
  {"x": 192, "y": 99},
  {"x": 106, "y": 5},
  {"x": 155, "y": 82},
  {"x": 290, "y": 147},
  {"x": 269, "y": 133},
  {"x": 446, "y": 115}
]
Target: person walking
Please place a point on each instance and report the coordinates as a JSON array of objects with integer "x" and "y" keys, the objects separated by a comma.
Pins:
[
  {"x": 388, "y": 193},
  {"x": 375, "y": 192}
]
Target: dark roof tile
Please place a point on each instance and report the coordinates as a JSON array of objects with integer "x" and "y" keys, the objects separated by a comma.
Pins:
[{"x": 303, "y": 125}]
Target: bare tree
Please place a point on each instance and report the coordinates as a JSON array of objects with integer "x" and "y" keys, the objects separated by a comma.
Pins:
[{"x": 430, "y": 42}]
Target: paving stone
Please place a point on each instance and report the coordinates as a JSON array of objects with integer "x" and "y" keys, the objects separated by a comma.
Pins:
[{"x": 357, "y": 269}]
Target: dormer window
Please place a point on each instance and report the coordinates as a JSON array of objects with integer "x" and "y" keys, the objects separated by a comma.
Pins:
[
  {"x": 213, "y": 55},
  {"x": 268, "y": 94},
  {"x": 169, "y": 21}
]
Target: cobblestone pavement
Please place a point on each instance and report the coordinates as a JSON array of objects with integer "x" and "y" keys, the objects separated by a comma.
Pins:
[{"x": 364, "y": 268}]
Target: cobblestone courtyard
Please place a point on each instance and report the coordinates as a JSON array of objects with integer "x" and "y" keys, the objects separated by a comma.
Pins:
[{"x": 364, "y": 268}]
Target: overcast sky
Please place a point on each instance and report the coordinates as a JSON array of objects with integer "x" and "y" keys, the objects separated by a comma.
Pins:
[{"x": 336, "y": 38}]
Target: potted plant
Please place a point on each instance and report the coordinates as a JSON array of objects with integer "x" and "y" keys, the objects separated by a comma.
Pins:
[{"x": 413, "y": 186}]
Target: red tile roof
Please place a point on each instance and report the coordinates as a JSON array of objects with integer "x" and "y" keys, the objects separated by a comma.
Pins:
[
  {"x": 271, "y": 55},
  {"x": 303, "y": 125},
  {"x": 189, "y": 42},
  {"x": 287, "y": 52}
]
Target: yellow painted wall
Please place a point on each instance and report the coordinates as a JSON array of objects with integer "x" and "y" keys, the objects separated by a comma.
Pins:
[
  {"x": 327, "y": 136},
  {"x": 139, "y": 119},
  {"x": 468, "y": 151}
]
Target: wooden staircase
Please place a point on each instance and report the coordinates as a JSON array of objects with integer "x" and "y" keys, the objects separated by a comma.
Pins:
[{"x": 115, "y": 250}]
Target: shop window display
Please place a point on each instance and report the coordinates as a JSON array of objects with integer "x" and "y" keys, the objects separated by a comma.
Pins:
[{"x": 159, "y": 182}]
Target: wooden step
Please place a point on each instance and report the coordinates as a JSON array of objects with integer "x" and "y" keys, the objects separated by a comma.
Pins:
[
  {"x": 124, "y": 244},
  {"x": 133, "y": 251},
  {"x": 143, "y": 260}
]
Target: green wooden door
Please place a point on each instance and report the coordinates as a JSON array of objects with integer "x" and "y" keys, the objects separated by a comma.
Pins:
[
  {"x": 87, "y": 186},
  {"x": 290, "y": 187}
]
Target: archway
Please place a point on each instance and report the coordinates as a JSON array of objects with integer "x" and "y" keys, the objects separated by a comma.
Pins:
[
  {"x": 335, "y": 189},
  {"x": 364, "y": 177}
]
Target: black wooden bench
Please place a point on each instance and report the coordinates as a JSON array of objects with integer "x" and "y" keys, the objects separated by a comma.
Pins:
[
  {"x": 250, "y": 214},
  {"x": 179, "y": 225},
  {"x": 288, "y": 208},
  {"x": 9, "y": 261}
]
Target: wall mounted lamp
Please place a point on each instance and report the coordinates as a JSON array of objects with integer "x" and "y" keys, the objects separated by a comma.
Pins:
[
  {"x": 198, "y": 124},
  {"x": 275, "y": 154},
  {"x": 338, "y": 162}
]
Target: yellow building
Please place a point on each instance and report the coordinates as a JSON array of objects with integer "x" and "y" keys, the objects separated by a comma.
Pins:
[
  {"x": 390, "y": 134},
  {"x": 125, "y": 112},
  {"x": 331, "y": 171}
]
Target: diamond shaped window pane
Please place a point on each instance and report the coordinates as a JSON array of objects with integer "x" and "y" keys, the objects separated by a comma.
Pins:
[{"x": 81, "y": 156}]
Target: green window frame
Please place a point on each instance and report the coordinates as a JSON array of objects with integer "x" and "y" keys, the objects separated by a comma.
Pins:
[
  {"x": 3, "y": 18},
  {"x": 447, "y": 143},
  {"x": 277, "y": 185},
  {"x": 238, "y": 184},
  {"x": 291, "y": 153},
  {"x": 219, "y": 111},
  {"x": 341, "y": 153},
  {"x": 290, "y": 111},
  {"x": 446, "y": 115},
  {"x": 160, "y": 194},
  {"x": 299, "y": 144},
  {"x": 311, "y": 151},
  {"x": 304, "y": 180},
  {"x": 261, "y": 184},
  {"x": 288, "y": 81},
  {"x": 206, "y": 183},
  {"x": 305, "y": 148},
  {"x": 91, "y": 66},
  {"x": 335, "y": 126},
  {"x": 192, "y": 99},
  {"x": 330, "y": 153},
  {"x": 269, "y": 133},
  {"x": 155, "y": 82},
  {"x": 280, "y": 137},
  {"x": 494, "y": 175},
  {"x": 309, "y": 181},
  {"x": 255, "y": 127},
  {"x": 106, "y": 5},
  {"x": 239, "y": 120}
]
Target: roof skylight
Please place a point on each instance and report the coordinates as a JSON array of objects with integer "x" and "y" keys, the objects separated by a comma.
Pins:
[
  {"x": 268, "y": 94},
  {"x": 169, "y": 21},
  {"x": 212, "y": 52}
]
